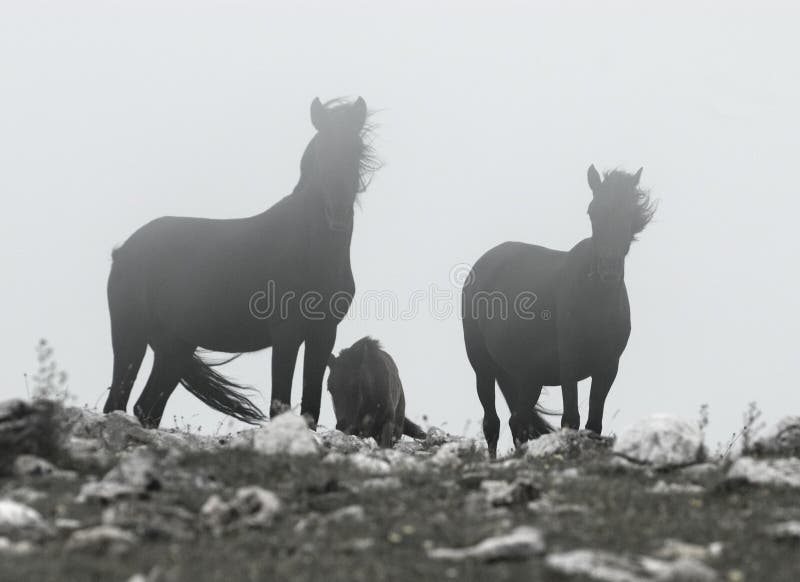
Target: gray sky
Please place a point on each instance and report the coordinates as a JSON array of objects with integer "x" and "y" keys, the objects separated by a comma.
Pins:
[{"x": 114, "y": 113}]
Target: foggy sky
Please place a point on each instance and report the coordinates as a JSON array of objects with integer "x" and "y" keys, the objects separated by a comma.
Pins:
[{"x": 489, "y": 114}]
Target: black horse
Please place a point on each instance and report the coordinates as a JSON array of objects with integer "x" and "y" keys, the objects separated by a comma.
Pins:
[
  {"x": 368, "y": 395},
  {"x": 537, "y": 317},
  {"x": 277, "y": 279}
]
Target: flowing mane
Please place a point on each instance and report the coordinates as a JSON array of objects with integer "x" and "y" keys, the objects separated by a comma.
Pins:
[{"x": 626, "y": 185}]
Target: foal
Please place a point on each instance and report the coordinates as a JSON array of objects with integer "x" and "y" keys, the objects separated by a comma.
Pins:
[{"x": 367, "y": 394}]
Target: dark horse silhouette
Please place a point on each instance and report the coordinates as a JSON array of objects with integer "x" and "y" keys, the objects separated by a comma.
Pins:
[
  {"x": 537, "y": 317},
  {"x": 367, "y": 394},
  {"x": 277, "y": 279}
]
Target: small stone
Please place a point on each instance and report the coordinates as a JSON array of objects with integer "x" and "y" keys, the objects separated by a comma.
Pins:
[
  {"x": 18, "y": 548},
  {"x": 436, "y": 437},
  {"x": 555, "y": 443},
  {"x": 782, "y": 439},
  {"x": 664, "y": 488},
  {"x": 500, "y": 493},
  {"x": 67, "y": 524},
  {"x": 521, "y": 543},
  {"x": 103, "y": 539},
  {"x": 250, "y": 507},
  {"x": 286, "y": 434},
  {"x": 661, "y": 441},
  {"x": 676, "y": 549},
  {"x": 20, "y": 521},
  {"x": 353, "y": 513},
  {"x": 451, "y": 454},
  {"x": 368, "y": 464},
  {"x": 31, "y": 465},
  {"x": 778, "y": 472},
  {"x": 785, "y": 531},
  {"x": 382, "y": 484}
]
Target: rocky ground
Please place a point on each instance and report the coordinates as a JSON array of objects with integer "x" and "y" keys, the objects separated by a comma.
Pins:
[{"x": 90, "y": 497}]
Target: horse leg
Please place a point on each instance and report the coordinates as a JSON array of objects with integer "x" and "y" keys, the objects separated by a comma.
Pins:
[
  {"x": 319, "y": 344},
  {"x": 523, "y": 417},
  {"x": 284, "y": 356},
  {"x": 571, "y": 418},
  {"x": 386, "y": 437},
  {"x": 601, "y": 384},
  {"x": 169, "y": 364},
  {"x": 129, "y": 348},
  {"x": 128, "y": 338}
]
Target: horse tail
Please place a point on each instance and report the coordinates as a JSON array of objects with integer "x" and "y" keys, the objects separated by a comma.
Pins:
[
  {"x": 539, "y": 423},
  {"x": 413, "y": 430},
  {"x": 219, "y": 393}
]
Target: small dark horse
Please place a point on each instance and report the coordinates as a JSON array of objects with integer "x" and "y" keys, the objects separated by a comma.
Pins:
[
  {"x": 277, "y": 279},
  {"x": 367, "y": 394},
  {"x": 537, "y": 317}
]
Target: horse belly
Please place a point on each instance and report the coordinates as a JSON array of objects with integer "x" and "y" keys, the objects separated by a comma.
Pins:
[{"x": 524, "y": 349}]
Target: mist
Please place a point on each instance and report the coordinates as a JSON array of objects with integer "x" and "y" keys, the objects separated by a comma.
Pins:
[{"x": 487, "y": 119}]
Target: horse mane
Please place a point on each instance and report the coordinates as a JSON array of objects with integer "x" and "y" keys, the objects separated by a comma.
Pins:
[{"x": 626, "y": 185}]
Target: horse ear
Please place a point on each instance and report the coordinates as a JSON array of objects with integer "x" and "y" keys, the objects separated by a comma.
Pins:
[
  {"x": 360, "y": 113},
  {"x": 318, "y": 115},
  {"x": 637, "y": 176},
  {"x": 594, "y": 178}
]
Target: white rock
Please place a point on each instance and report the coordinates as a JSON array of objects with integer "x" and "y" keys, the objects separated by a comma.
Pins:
[
  {"x": 353, "y": 513},
  {"x": 26, "y": 495},
  {"x": 369, "y": 464},
  {"x": 20, "y": 521},
  {"x": 520, "y": 543},
  {"x": 31, "y": 465},
  {"x": 547, "y": 505},
  {"x": 777, "y": 472},
  {"x": 664, "y": 488},
  {"x": 400, "y": 460},
  {"x": 500, "y": 493},
  {"x": 88, "y": 450},
  {"x": 103, "y": 539},
  {"x": 554, "y": 443},
  {"x": 596, "y": 565},
  {"x": 673, "y": 549},
  {"x": 682, "y": 569},
  {"x": 699, "y": 473},
  {"x": 787, "y": 530},
  {"x": 662, "y": 441},
  {"x": 345, "y": 443},
  {"x": 19, "y": 548},
  {"x": 607, "y": 567},
  {"x": 782, "y": 439},
  {"x": 134, "y": 475},
  {"x": 451, "y": 454},
  {"x": 381, "y": 484},
  {"x": 250, "y": 507},
  {"x": 436, "y": 436},
  {"x": 286, "y": 434}
]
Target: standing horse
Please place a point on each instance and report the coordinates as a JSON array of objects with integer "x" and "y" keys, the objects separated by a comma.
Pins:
[
  {"x": 367, "y": 394},
  {"x": 276, "y": 279},
  {"x": 537, "y": 317}
]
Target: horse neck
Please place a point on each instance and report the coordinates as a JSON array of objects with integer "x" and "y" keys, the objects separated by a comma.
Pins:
[{"x": 311, "y": 205}]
